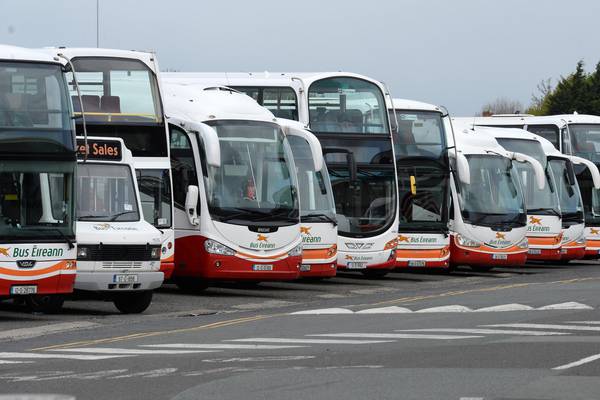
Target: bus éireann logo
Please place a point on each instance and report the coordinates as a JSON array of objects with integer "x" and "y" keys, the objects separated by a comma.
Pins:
[
  {"x": 262, "y": 238},
  {"x": 305, "y": 230},
  {"x": 403, "y": 238},
  {"x": 535, "y": 221},
  {"x": 4, "y": 251},
  {"x": 500, "y": 235},
  {"x": 594, "y": 231},
  {"x": 348, "y": 257}
]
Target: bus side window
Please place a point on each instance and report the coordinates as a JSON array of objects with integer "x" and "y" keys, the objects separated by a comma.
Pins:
[
  {"x": 549, "y": 132},
  {"x": 183, "y": 168}
]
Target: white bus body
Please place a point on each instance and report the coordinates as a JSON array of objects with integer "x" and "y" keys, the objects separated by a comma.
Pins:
[
  {"x": 119, "y": 252},
  {"x": 420, "y": 143},
  {"x": 488, "y": 220},
  {"x": 121, "y": 92},
  {"x": 572, "y": 134},
  {"x": 348, "y": 114},
  {"x": 236, "y": 204}
]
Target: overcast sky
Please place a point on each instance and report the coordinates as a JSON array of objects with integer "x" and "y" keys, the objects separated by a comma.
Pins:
[{"x": 459, "y": 53}]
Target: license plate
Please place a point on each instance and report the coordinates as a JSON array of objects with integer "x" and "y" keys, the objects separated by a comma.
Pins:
[
  {"x": 262, "y": 267},
  {"x": 499, "y": 257},
  {"x": 417, "y": 263},
  {"x": 304, "y": 267},
  {"x": 563, "y": 251},
  {"x": 30, "y": 289},
  {"x": 534, "y": 251},
  {"x": 356, "y": 265},
  {"x": 125, "y": 278}
]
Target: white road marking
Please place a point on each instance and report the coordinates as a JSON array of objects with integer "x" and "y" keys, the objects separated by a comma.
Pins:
[
  {"x": 548, "y": 326},
  {"x": 385, "y": 310},
  {"x": 579, "y": 362},
  {"x": 585, "y": 322},
  {"x": 572, "y": 305},
  {"x": 65, "y": 356},
  {"x": 395, "y": 336},
  {"x": 452, "y": 308},
  {"x": 14, "y": 362},
  {"x": 221, "y": 346},
  {"x": 28, "y": 333},
  {"x": 487, "y": 331},
  {"x": 110, "y": 350},
  {"x": 324, "y": 311},
  {"x": 155, "y": 373},
  {"x": 506, "y": 307},
  {"x": 258, "y": 359},
  {"x": 83, "y": 375},
  {"x": 309, "y": 341}
]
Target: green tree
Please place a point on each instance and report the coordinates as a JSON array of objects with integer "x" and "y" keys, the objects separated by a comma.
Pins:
[{"x": 571, "y": 94}]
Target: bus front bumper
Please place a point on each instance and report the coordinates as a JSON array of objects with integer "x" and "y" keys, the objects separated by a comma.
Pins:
[{"x": 112, "y": 281}]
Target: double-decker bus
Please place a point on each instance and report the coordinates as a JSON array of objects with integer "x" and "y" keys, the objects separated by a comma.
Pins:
[
  {"x": 488, "y": 217},
  {"x": 121, "y": 98},
  {"x": 237, "y": 214},
  {"x": 347, "y": 112},
  {"x": 577, "y": 135},
  {"x": 37, "y": 171},
  {"x": 421, "y": 148}
]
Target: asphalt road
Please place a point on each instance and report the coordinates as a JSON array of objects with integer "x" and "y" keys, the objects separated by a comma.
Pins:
[{"x": 526, "y": 333}]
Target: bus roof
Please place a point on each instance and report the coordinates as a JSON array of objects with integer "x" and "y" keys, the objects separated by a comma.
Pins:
[
  {"x": 469, "y": 139},
  {"x": 520, "y": 119},
  {"x": 14, "y": 53},
  {"x": 148, "y": 58},
  {"x": 199, "y": 103},
  {"x": 406, "y": 104}
]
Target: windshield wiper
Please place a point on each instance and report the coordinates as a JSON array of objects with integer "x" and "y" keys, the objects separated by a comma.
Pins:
[
  {"x": 322, "y": 216},
  {"x": 65, "y": 238},
  {"x": 79, "y": 217},
  {"x": 244, "y": 212},
  {"x": 550, "y": 211},
  {"x": 115, "y": 216}
]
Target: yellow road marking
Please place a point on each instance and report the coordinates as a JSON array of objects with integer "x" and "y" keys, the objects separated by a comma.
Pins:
[{"x": 155, "y": 333}]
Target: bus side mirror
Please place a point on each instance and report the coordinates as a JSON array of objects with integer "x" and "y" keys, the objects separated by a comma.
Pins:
[
  {"x": 591, "y": 166},
  {"x": 315, "y": 146},
  {"x": 464, "y": 172},
  {"x": 191, "y": 204},
  {"x": 212, "y": 146},
  {"x": 540, "y": 175}
]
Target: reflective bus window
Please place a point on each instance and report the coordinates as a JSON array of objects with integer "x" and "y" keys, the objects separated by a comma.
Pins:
[{"x": 281, "y": 101}]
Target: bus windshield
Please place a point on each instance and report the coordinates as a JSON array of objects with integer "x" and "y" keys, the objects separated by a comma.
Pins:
[
  {"x": 568, "y": 193},
  {"x": 585, "y": 141},
  {"x": 116, "y": 90},
  {"x": 347, "y": 105},
  {"x": 589, "y": 194},
  {"x": 35, "y": 204},
  {"x": 106, "y": 193},
  {"x": 254, "y": 181},
  {"x": 34, "y": 109},
  {"x": 425, "y": 208},
  {"x": 420, "y": 134},
  {"x": 316, "y": 198},
  {"x": 493, "y": 197}
]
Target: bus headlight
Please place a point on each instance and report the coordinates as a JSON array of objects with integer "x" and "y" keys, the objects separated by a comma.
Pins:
[
  {"x": 463, "y": 241},
  {"x": 523, "y": 244},
  {"x": 581, "y": 240},
  {"x": 155, "y": 253},
  {"x": 214, "y": 247},
  {"x": 82, "y": 252},
  {"x": 296, "y": 251}
]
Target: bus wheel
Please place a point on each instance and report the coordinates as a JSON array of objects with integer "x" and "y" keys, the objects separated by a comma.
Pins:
[
  {"x": 375, "y": 273},
  {"x": 191, "y": 285},
  {"x": 482, "y": 268},
  {"x": 48, "y": 304},
  {"x": 133, "y": 302}
]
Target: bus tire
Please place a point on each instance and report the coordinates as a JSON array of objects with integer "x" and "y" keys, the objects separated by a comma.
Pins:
[
  {"x": 190, "y": 285},
  {"x": 375, "y": 273},
  {"x": 133, "y": 302},
  {"x": 48, "y": 304}
]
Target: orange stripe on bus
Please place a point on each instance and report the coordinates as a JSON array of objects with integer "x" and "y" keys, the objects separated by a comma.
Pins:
[
  {"x": 318, "y": 254},
  {"x": 543, "y": 241},
  {"x": 425, "y": 253},
  {"x": 33, "y": 272}
]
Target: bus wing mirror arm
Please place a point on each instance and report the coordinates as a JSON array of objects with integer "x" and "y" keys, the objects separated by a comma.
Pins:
[
  {"x": 191, "y": 204},
  {"x": 540, "y": 176},
  {"x": 212, "y": 146},
  {"x": 591, "y": 166},
  {"x": 313, "y": 142}
]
